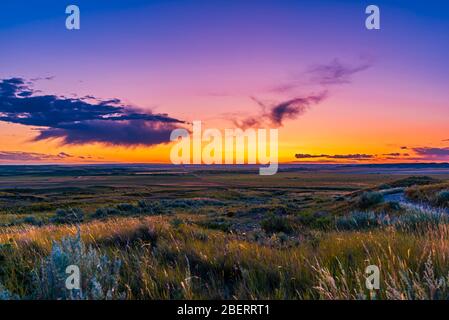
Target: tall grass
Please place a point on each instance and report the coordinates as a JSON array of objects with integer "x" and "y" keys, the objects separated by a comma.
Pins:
[{"x": 161, "y": 259}]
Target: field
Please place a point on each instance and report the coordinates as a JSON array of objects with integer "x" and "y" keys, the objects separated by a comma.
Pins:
[{"x": 159, "y": 232}]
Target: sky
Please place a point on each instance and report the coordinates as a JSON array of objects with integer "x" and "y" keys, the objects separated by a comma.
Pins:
[{"x": 136, "y": 70}]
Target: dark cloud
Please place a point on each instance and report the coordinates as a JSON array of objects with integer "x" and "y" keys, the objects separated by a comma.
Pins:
[
  {"x": 128, "y": 133},
  {"x": 276, "y": 114},
  {"x": 291, "y": 109},
  {"x": 432, "y": 152},
  {"x": 84, "y": 120},
  {"x": 393, "y": 154},
  {"x": 64, "y": 155},
  {"x": 404, "y": 148},
  {"x": 419, "y": 154},
  {"x": 335, "y": 72},
  {"x": 31, "y": 156},
  {"x": 310, "y": 156},
  {"x": 356, "y": 156}
]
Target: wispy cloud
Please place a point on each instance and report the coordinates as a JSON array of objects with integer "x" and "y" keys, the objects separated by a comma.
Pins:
[
  {"x": 81, "y": 120},
  {"x": 432, "y": 152},
  {"x": 335, "y": 72},
  {"x": 356, "y": 156},
  {"x": 275, "y": 114},
  {"x": 328, "y": 74},
  {"x": 32, "y": 156}
]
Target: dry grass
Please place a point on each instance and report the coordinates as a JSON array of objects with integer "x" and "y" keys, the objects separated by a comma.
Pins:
[{"x": 162, "y": 261}]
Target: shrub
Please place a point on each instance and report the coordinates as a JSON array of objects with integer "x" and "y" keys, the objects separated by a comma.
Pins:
[
  {"x": 318, "y": 219},
  {"x": 415, "y": 219},
  {"x": 70, "y": 216},
  {"x": 218, "y": 224},
  {"x": 32, "y": 220},
  {"x": 99, "y": 275},
  {"x": 361, "y": 220},
  {"x": 126, "y": 207},
  {"x": 443, "y": 198},
  {"x": 369, "y": 199},
  {"x": 275, "y": 224},
  {"x": 420, "y": 219},
  {"x": 152, "y": 208}
]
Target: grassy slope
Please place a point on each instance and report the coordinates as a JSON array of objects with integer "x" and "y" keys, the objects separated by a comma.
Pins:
[{"x": 181, "y": 253}]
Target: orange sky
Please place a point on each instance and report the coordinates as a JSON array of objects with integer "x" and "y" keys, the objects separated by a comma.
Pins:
[{"x": 385, "y": 96}]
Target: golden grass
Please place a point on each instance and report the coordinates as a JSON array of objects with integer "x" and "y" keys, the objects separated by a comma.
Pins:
[{"x": 188, "y": 262}]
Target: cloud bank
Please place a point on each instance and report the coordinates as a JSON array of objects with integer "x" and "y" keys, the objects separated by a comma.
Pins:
[
  {"x": 419, "y": 154},
  {"x": 82, "y": 120}
]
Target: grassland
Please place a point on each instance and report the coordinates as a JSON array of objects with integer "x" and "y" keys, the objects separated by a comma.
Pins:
[{"x": 215, "y": 234}]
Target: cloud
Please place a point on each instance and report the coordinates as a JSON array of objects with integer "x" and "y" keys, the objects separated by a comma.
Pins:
[
  {"x": 291, "y": 109},
  {"x": 335, "y": 72},
  {"x": 328, "y": 74},
  {"x": 393, "y": 154},
  {"x": 64, "y": 155},
  {"x": 82, "y": 120},
  {"x": 276, "y": 114},
  {"x": 356, "y": 156},
  {"x": 332, "y": 73},
  {"x": 420, "y": 154},
  {"x": 42, "y": 78},
  {"x": 129, "y": 133},
  {"x": 416, "y": 154},
  {"x": 31, "y": 156},
  {"x": 432, "y": 152},
  {"x": 309, "y": 156}
]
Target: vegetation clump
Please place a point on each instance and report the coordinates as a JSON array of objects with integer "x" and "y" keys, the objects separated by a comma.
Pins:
[
  {"x": 369, "y": 199},
  {"x": 69, "y": 216},
  {"x": 443, "y": 198},
  {"x": 436, "y": 195},
  {"x": 275, "y": 224}
]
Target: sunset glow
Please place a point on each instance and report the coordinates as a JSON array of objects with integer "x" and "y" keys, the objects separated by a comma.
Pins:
[{"x": 364, "y": 96}]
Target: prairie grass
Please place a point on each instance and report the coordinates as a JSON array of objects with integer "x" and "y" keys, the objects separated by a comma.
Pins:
[
  {"x": 293, "y": 236},
  {"x": 165, "y": 260},
  {"x": 434, "y": 194}
]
